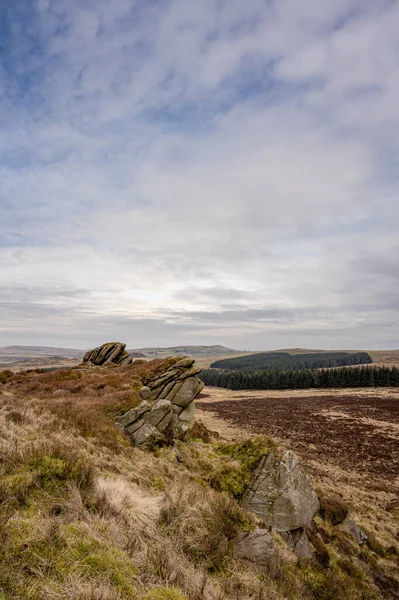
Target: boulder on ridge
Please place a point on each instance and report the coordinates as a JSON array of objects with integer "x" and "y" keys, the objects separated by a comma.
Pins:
[{"x": 111, "y": 353}]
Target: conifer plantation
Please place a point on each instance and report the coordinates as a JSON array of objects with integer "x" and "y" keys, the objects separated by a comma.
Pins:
[{"x": 282, "y": 379}]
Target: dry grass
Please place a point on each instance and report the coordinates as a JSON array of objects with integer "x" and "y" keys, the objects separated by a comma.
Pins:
[{"x": 85, "y": 516}]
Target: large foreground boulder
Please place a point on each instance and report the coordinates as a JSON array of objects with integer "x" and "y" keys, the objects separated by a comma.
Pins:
[
  {"x": 281, "y": 495},
  {"x": 167, "y": 410},
  {"x": 112, "y": 353}
]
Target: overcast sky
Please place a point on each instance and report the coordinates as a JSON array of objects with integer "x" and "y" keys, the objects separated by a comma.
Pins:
[{"x": 199, "y": 172}]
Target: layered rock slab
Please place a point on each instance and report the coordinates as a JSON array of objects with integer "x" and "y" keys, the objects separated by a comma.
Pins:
[
  {"x": 112, "y": 353},
  {"x": 167, "y": 410}
]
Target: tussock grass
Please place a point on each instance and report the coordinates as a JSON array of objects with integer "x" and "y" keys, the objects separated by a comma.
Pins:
[
  {"x": 204, "y": 524},
  {"x": 85, "y": 516}
]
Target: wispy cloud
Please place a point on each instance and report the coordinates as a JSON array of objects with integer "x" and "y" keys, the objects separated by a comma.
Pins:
[{"x": 199, "y": 171}]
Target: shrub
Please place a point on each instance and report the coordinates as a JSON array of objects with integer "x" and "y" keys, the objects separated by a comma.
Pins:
[
  {"x": 200, "y": 432},
  {"x": 5, "y": 376},
  {"x": 374, "y": 545},
  {"x": 47, "y": 467},
  {"x": 321, "y": 552},
  {"x": 333, "y": 509},
  {"x": 204, "y": 523},
  {"x": 234, "y": 476},
  {"x": 350, "y": 568},
  {"x": 15, "y": 416}
]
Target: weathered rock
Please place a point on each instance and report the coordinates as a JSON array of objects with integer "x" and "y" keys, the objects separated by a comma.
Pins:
[
  {"x": 132, "y": 415},
  {"x": 167, "y": 389},
  {"x": 257, "y": 547},
  {"x": 134, "y": 426},
  {"x": 186, "y": 419},
  {"x": 190, "y": 372},
  {"x": 281, "y": 494},
  {"x": 298, "y": 541},
  {"x": 159, "y": 381},
  {"x": 173, "y": 390},
  {"x": 158, "y": 412},
  {"x": 146, "y": 434},
  {"x": 112, "y": 353},
  {"x": 168, "y": 405},
  {"x": 184, "y": 363},
  {"x": 167, "y": 425},
  {"x": 189, "y": 390},
  {"x": 350, "y": 527},
  {"x": 145, "y": 392}
]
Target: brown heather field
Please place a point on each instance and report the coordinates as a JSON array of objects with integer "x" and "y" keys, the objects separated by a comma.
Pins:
[
  {"x": 348, "y": 438},
  {"x": 85, "y": 516}
]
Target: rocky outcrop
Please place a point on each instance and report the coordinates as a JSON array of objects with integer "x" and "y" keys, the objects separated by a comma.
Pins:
[
  {"x": 281, "y": 495},
  {"x": 167, "y": 410},
  {"x": 112, "y": 353},
  {"x": 256, "y": 547}
]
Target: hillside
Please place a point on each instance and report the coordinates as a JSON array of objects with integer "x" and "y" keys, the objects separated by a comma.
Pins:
[
  {"x": 85, "y": 515},
  {"x": 195, "y": 351},
  {"x": 39, "y": 351}
]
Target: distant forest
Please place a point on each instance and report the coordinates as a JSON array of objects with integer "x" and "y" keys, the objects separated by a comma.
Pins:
[
  {"x": 282, "y": 379},
  {"x": 292, "y": 362}
]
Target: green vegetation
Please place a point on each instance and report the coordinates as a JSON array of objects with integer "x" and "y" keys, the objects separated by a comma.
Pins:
[
  {"x": 5, "y": 376},
  {"x": 233, "y": 475},
  {"x": 293, "y": 362},
  {"x": 303, "y": 379}
]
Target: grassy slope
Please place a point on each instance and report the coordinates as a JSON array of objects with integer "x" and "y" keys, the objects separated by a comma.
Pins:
[{"x": 86, "y": 516}]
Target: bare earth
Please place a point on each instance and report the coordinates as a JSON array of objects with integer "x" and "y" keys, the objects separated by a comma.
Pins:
[{"x": 355, "y": 430}]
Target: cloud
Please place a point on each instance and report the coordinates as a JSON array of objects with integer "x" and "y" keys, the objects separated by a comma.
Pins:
[{"x": 212, "y": 172}]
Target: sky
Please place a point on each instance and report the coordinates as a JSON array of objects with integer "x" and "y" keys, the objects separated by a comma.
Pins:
[{"x": 199, "y": 172}]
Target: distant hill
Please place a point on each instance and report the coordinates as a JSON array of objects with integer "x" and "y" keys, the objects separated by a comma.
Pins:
[
  {"x": 35, "y": 351},
  {"x": 195, "y": 351}
]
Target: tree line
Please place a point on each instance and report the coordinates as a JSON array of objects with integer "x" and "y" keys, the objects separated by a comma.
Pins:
[
  {"x": 283, "y": 360},
  {"x": 282, "y": 379}
]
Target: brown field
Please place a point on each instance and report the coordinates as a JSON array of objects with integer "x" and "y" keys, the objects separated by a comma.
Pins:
[{"x": 353, "y": 429}]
